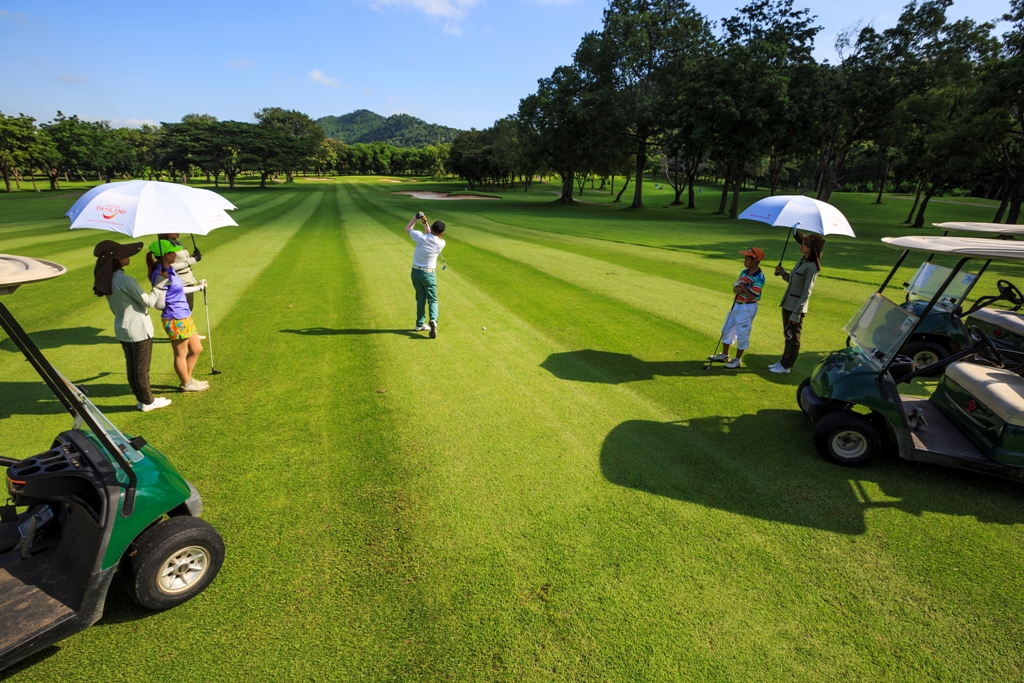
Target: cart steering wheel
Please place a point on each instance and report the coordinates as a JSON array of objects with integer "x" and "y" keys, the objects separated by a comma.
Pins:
[
  {"x": 985, "y": 347},
  {"x": 1010, "y": 292}
]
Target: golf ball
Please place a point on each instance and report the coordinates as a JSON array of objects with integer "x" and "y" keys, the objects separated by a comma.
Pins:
[{"x": 483, "y": 328}]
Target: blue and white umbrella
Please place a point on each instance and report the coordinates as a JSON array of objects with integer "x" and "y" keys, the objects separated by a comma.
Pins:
[{"x": 797, "y": 211}]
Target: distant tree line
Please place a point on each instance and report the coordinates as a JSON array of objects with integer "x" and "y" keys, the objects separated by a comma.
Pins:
[
  {"x": 280, "y": 142},
  {"x": 929, "y": 106}
]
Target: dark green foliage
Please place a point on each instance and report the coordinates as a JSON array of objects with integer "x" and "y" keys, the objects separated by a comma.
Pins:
[{"x": 400, "y": 130}]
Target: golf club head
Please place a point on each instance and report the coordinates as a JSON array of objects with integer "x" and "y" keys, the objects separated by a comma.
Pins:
[{"x": 215, "y": 372}]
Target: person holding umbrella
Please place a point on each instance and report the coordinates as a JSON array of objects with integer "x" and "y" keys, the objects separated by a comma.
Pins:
[
  {"x": 132, "y": 324},
  {"x": 177, "y": 316},
  {"x": 794, "y": 302},
  {"x": 183, "y": 263}
]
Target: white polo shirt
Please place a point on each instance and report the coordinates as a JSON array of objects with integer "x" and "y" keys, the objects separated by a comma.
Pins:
[{"x": 427, "y": 249}]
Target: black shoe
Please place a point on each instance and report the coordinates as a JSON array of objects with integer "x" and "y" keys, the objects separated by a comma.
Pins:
[{"x": 433, "y": 329}]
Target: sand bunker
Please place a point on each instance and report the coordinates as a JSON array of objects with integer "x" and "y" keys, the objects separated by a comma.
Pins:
[
  {"x": 442, "y": 195},
  {"x": 391, "y": 180}
]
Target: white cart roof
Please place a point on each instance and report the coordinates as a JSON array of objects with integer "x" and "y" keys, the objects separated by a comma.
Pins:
[
  {"x": 961, "y": 246},
  {"x": 16, "y": 271},
  {"x": 991, "y": 228}
]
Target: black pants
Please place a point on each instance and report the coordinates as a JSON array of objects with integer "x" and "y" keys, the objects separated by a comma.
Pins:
[
  {"x": 137, "y": 356},
  {"x": 791, "y": 331}
]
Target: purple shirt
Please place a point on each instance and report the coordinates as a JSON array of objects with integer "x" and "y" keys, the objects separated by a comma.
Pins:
[{"x": 177, "y": 305}]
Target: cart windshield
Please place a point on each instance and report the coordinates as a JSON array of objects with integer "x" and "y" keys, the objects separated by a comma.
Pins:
[
  {"x": 929, "y": 279},
  {"x": 112, "y": 432},
  {"x": 879, "y": 329}
]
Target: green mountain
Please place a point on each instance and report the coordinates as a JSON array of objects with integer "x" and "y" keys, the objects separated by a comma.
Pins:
[{"x": 401, "y": 130}]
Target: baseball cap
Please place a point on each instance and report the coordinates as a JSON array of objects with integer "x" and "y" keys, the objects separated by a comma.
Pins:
[
  {"x": 755, "y": 252},
  {"x": 161, "y": 247}
]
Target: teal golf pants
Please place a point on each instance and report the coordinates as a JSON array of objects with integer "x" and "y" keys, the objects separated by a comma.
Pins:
[{"x": 426, "y": 292}]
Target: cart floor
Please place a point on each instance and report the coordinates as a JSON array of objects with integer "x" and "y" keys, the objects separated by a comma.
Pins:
[
  {"x": 32, "y": 600},
  {"x": 939, "y": 435}
]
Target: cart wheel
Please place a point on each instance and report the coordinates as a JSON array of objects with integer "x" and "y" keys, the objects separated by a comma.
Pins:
[
  {"x": 925, "y": 353},
  {"x": 847, "y": 438},
  {"x": 173, "y": 561}
]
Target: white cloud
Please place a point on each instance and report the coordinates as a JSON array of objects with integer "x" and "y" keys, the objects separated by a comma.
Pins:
[
  {"x": 11, "y": 16},
  {"x": 242, "y": 64},
  {"x": 449, "y": 9},
  {"x": 320, "y": 77},
  {"x": 132, "y": 123},
  {"x": 68, "y": 78}
]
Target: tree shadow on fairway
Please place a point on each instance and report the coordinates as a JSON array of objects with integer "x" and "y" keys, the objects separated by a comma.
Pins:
[
  {"x": 54, "y": 339},
  {"x": 329, "y": 332},
  {"x": 764, "y": 466},
  {"x": 606, "y": 367},
  {"x": 35, "y": 398}
]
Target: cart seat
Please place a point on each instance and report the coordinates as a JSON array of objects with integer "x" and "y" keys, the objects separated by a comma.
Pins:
[
  {"x": 1007, "y": 320},
  {"x": 1001, "y": 391}
]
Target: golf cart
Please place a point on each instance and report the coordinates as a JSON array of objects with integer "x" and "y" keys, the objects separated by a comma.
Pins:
[
  {"x": 944, "y": 330},
  {"x": 93, "y": 502},
  {"x": 975, "y": 418}
]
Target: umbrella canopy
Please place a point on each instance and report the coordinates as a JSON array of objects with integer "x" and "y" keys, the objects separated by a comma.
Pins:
[
  {"x": 793, "y": 211},
  {"x": 145, "y": 207}
]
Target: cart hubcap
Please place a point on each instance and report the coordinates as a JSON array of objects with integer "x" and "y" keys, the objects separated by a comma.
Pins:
[
  {"x": 182, "y": 569},
  {"x": 849, "y": 444},
  {"x": 923, "y": 358}
]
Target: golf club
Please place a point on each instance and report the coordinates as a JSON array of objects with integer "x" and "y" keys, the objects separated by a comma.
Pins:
[
  {"x": 445, "y": 263},
  {"x": 707, "y": 366},
  {"x": 209, "y": 335}
]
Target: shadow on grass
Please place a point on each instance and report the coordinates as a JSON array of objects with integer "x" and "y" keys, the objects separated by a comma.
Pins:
[
  {"x": 35, "y": 398},
  {"x": 764, "y": 466},
  {"x": 28, "y": 662},
  {"x": 72, "y": 336},
  {"x": 606, "y": 367},
  {"x": 329, "y": 332}
]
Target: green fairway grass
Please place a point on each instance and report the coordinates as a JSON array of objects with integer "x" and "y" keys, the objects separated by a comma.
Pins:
[{"x": 564, "y": 495}]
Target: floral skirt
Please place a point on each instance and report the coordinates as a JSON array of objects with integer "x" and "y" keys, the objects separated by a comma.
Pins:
[{"x": 179, "y": 329}]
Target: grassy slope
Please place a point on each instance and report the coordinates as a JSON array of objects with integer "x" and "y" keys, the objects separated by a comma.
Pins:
[{"x": 565, "y": 495}]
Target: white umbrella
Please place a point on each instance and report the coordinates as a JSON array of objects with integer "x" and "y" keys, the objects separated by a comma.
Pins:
[
  {"x": 793, "y": 211},
  {"x": 146, "y": 207}
]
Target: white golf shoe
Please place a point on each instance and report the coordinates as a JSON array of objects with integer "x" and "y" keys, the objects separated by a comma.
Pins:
[
  {"x": 733, "y": 364},
  {"x": 433, "y": 329},
  {"x": 195, "y": 386},
  {"x": 158, "y": 402},
  {"x": 422, "y": 328},
  {"x": 719, "y": 358},
  {"x": 778, "y": 369}
]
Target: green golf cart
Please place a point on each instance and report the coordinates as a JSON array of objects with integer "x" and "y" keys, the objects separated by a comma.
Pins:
[
  {"x": 943, "y": 331},
  {"x": 93, "y": 502},
  {"x": 975, "y": 418}
]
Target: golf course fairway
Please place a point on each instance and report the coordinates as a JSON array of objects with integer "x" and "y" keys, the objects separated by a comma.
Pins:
[{"x": 564, "y": 495}]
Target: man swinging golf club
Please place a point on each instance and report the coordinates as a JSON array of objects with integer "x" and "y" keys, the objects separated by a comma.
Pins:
[{"x": 424, "y": 264}]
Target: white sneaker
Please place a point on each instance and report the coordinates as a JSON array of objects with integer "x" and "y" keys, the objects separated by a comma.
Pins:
[
  {"x": 158, "y": 402},
  {"x": 422, "y": 328},
  {"x": 719, "y": 358},
  {"x": 194, "y": 386},
  {"x": 433, "y": 329},
  {"x": 733, "y": 364},
  {"x": 778, "y": 369}
]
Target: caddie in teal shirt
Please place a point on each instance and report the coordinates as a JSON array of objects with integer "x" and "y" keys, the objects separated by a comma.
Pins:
[{"x": 424, "y": 264}]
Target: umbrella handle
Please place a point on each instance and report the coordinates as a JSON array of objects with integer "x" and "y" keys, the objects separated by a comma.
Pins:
[
  {"x": 784, "y": 249},
  {"x": 194, "y": 247}
]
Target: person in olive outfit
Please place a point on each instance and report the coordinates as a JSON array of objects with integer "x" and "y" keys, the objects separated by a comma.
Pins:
[{"x": 798, "y": 292}]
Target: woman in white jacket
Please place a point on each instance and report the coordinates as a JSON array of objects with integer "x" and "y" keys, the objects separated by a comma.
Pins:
[{"x": 132, "y": 324}]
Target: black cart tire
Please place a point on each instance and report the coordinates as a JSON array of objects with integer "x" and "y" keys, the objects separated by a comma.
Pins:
[
  {"x": 173, "y": 561},
  {"x": 847, "y": 438},
  {"x": 925, "y": 353}
]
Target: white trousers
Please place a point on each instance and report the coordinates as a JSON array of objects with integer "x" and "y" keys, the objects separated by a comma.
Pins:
[{"x": 737, "y": 326}]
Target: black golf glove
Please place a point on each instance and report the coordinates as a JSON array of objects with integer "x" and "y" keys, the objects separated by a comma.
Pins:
[{"x": 197, "y": 255}]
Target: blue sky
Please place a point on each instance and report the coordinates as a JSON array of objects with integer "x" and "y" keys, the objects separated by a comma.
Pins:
[{"x": 461, "y": 63}]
